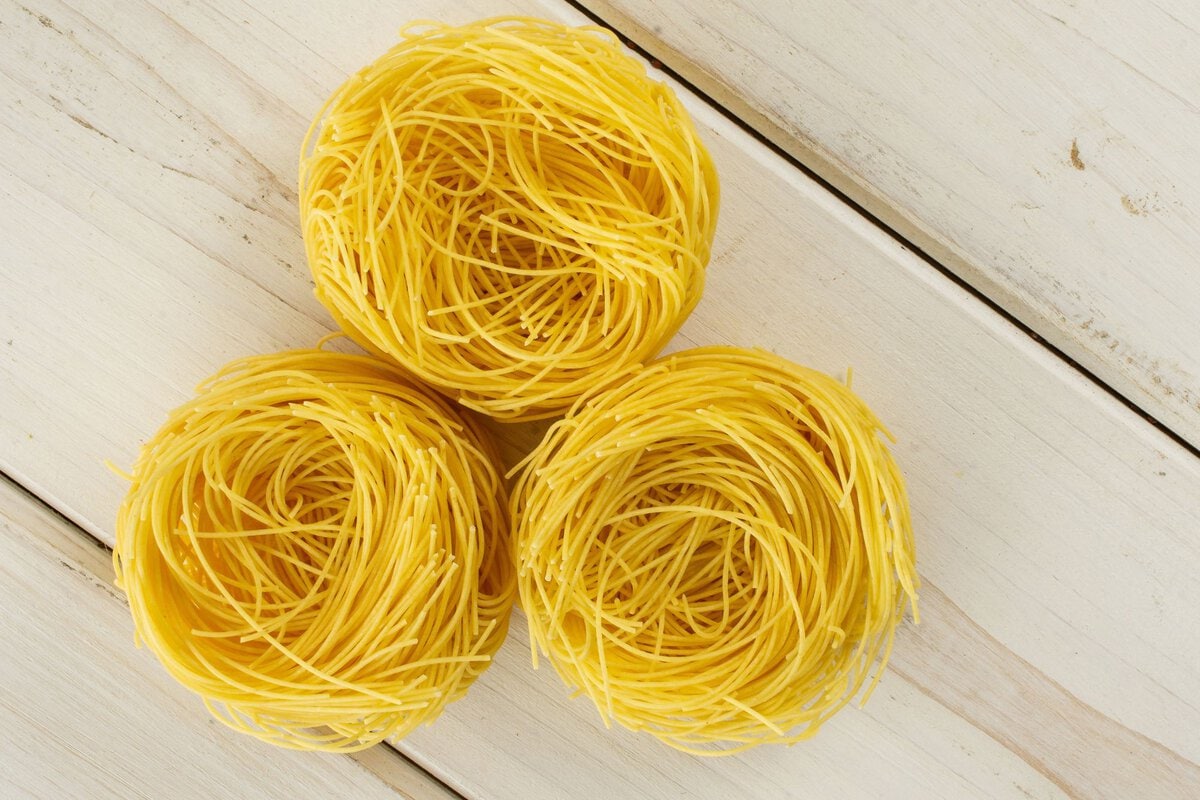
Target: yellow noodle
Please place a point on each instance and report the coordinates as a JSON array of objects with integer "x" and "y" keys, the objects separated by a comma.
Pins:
[
  {"x": 319, "y": 548},
  {"x": 715, "y": 550},
  {"x": 511, "y": 209}
]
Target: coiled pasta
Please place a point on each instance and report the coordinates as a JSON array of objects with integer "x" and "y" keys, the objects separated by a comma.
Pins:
[
  {"x": 319, "y": 548},
  {"x": 715, "y": 550},
  {"x": 511, "y": 209}
]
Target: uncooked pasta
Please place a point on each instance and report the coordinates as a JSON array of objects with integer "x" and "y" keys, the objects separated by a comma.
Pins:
[
  {"x": 319, "y": 548},
  {"x": 511, "y": 209},
  {"x": 716, "y": 550}
]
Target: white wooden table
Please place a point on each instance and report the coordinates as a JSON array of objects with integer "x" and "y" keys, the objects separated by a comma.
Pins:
[{"x": 991, "y": 211}]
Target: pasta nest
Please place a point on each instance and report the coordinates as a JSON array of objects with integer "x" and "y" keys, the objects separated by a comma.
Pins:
[
  {"x": 319, "y": 548},
  {"x": 716, "y": 550},
  {"x": 512, "y": 210}
]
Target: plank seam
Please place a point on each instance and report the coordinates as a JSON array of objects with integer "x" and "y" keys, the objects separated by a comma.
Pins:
[{"x": 778, "y": 150}]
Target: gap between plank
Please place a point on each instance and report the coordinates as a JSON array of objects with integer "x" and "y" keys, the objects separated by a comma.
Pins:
[
  {"x": 372, "y": 760},
  {"x": 762, "y": 138}
]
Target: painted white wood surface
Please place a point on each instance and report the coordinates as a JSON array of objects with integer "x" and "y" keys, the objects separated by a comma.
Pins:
[
  {"x": 147, "y": 163},
  {"x": 85, "y": 715},
  {"x": 1048, "y": 151}
]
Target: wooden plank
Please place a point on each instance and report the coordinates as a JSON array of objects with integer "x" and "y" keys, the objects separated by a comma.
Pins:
[
  {"x": 85, "y": 715},
  {"x": 1056, "y": 530},
  {"x": 1047, "y": 151}
]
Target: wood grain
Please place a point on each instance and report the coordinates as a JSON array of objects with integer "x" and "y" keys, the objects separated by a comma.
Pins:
[
  {"x": 1047, "y": 151},
  {"x": 85, "y": 715},
  {"x": 147, "y": 213}
]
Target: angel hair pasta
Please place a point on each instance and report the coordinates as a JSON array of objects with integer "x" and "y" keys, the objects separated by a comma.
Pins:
[
  {"x": 511, "y": 209},
  {"x": 716, "y": 550},
  {"x": 318, "y": 548}
]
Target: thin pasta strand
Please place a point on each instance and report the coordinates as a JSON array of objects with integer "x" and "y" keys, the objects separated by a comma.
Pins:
[
  {"x": 511, "y": 209},
  {"x": 716, "y": 549},
  {"x": 319, "y": 548}
]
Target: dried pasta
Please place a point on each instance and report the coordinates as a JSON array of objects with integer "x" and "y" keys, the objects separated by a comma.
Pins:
[
  {"x": 319, "y": 548},
  {"x": 511, "y": 209},
  {"x": 715, "y": 550}
]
